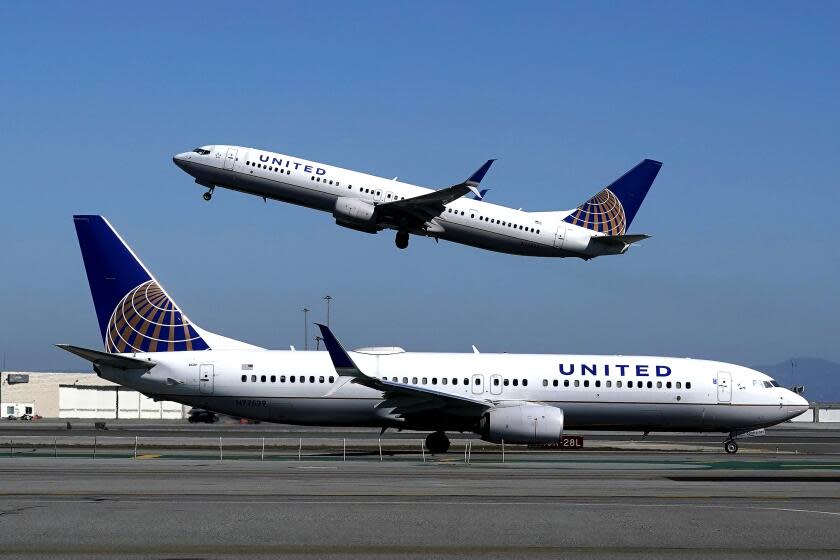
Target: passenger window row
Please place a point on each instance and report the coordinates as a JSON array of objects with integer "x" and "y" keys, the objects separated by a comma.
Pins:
[
  {"x": 318, "y": 180},
  {"x": 502, "y": 223},
  {"x": 425, "y": 380},
  {"x": 507, "y": 382},
  {"x": 368, "y": 190},
  {"x": 291, "y": 379},
  {"x": 618, "y": 383},
  {"x": 268, "y": 167}
]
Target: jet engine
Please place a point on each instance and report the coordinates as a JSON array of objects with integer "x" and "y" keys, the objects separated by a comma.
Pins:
[
  {"x": 522, "y": 423},
  {"x": 355, "y": 214}
]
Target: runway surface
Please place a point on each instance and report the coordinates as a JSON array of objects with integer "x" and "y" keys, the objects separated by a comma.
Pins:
[
  {"x": 576, "y": 505},
  {"x": 787, "y": 438}
]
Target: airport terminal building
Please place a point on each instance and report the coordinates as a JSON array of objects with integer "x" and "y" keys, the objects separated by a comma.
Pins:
[{"x": 78, "y": 395}]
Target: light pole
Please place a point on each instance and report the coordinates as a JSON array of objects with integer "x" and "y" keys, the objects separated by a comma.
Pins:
[
  {"x": 305, "y": 328},
  {"x": 318, "y": 340},
  {"x": 328, "y": 299},
  {"x": 2, "y": 411}
]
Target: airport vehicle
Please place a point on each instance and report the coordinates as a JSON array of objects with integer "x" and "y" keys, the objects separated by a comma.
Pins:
[
  {"x": 152, "y": 347},
  {"x": 371, "y": 204}
]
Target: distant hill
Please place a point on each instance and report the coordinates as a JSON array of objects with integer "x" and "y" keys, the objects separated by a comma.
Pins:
[{"x": 821, "y": 378}]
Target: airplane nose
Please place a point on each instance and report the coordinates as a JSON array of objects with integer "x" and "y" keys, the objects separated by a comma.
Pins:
[
  {"x": 801, "y": 403},
  {"x": 180, "y": 160}
]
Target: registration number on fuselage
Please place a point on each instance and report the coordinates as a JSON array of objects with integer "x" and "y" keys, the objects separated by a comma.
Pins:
[{"x": 251, "y": 403}]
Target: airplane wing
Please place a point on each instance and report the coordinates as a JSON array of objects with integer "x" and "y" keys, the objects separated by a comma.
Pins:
[
  {"x": 98, "y": 358},
  {"x": 404, "y": 400},
  {"x": 430, "y": 205}
]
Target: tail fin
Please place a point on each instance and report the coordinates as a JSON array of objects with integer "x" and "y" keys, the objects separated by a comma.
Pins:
[
  {"x": 135, "y": 313},
  {"x": 612, "y": 210}
]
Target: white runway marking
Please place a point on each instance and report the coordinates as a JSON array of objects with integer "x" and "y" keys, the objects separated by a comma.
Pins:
[{"x": 432, "y": 502}]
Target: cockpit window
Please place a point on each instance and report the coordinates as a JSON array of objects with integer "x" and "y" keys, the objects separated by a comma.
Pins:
[
  {"x": 201, "y": 151},
  {"x": 770, "y": 383}
]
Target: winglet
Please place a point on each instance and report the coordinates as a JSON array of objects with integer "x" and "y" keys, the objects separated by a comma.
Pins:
[
  {"x": 481, "y": 194},
  {"x": 475, "y": 178},
  {"x": 342, "y": 362}
]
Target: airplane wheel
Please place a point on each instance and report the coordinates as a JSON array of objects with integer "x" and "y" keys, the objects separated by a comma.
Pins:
[
  {"x": 730, "y": 446},
  {"x": 437, "y": 442},
  {"x": 208, "y": 195},
  {"x": 402, "y": 239}
]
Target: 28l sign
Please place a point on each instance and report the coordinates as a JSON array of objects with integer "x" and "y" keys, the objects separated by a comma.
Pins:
[{"x": 571, "y": 442}]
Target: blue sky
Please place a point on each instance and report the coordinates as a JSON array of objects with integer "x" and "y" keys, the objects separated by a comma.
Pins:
[{"x": 738, "y": 101}]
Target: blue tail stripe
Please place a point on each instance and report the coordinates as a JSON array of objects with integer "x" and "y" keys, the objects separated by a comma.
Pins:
[
  {"x": 112, "y": 270},
  {"x": 632, "y": 187},
  {"x": 612, "y": 210},
  {"x": 133, "y": 311}
]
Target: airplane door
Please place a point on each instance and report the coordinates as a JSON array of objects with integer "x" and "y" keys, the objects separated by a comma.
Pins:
[
  {"x": 478, "y": 384},
  {"x": 389, "y": 196},
  {"x": 496, "y": 384},
  {"x": 377, "y": 195},
  {"x": 559, "y": 237},
  {"x": 205, "y": 379},
  {"x": 724, "y": 385},
  {"x": 230, "y": 159}
]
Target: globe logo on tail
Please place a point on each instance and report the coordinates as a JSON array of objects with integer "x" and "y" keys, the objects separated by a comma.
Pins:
[
  {"x": 146, "y": 320},
  {"x": 602, "y": 213}
]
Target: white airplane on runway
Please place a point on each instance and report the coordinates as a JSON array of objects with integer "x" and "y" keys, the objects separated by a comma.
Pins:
[
  {"x": 152, "y": 347},
  {"x": 370, "y": 204}
]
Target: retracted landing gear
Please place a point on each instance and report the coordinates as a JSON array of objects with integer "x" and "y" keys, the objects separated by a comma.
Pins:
[
  {"x": 402, "y": 239},
  {"x": 437, "y": 442},
  {"x": 209, "y": 194}
]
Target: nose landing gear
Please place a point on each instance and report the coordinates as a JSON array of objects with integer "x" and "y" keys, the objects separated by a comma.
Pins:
[
  {"x": 402, "y": 239},
  {"x": 209, "y": 194},
  {"x": 437, "y": 442}
]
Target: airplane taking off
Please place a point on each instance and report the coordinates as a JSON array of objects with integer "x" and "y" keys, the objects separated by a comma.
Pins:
[
  {"x": 371, "y": 204},
  {"x": 152, "y": 347}
]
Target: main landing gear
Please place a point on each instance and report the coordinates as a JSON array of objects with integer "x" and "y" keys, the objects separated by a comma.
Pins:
[
  {"x": 437, "y": 442},
  {"x": 402, "y": 239},
  {"x": 208, "y": 195},
  {"x": 730, "y": 445}
]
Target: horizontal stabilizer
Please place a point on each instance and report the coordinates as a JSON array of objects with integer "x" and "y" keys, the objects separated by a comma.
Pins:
[
  {"x": 619, "y": 240},
  {"x": 110, "y": 360}
]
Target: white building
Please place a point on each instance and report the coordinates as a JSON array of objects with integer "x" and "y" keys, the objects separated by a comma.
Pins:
[{"x": 78, "y": 395}]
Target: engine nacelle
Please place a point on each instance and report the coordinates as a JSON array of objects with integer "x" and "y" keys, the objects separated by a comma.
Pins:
[
  {"x": 353, "y": 210},
  {"x": 355, "y": 214},
  {"x": 522, "y": 423}
]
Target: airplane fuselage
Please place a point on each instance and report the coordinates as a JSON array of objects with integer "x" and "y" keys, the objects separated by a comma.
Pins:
[
  {"x": 320, "y": 186},
  {"x": 594, "y": 392}
]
